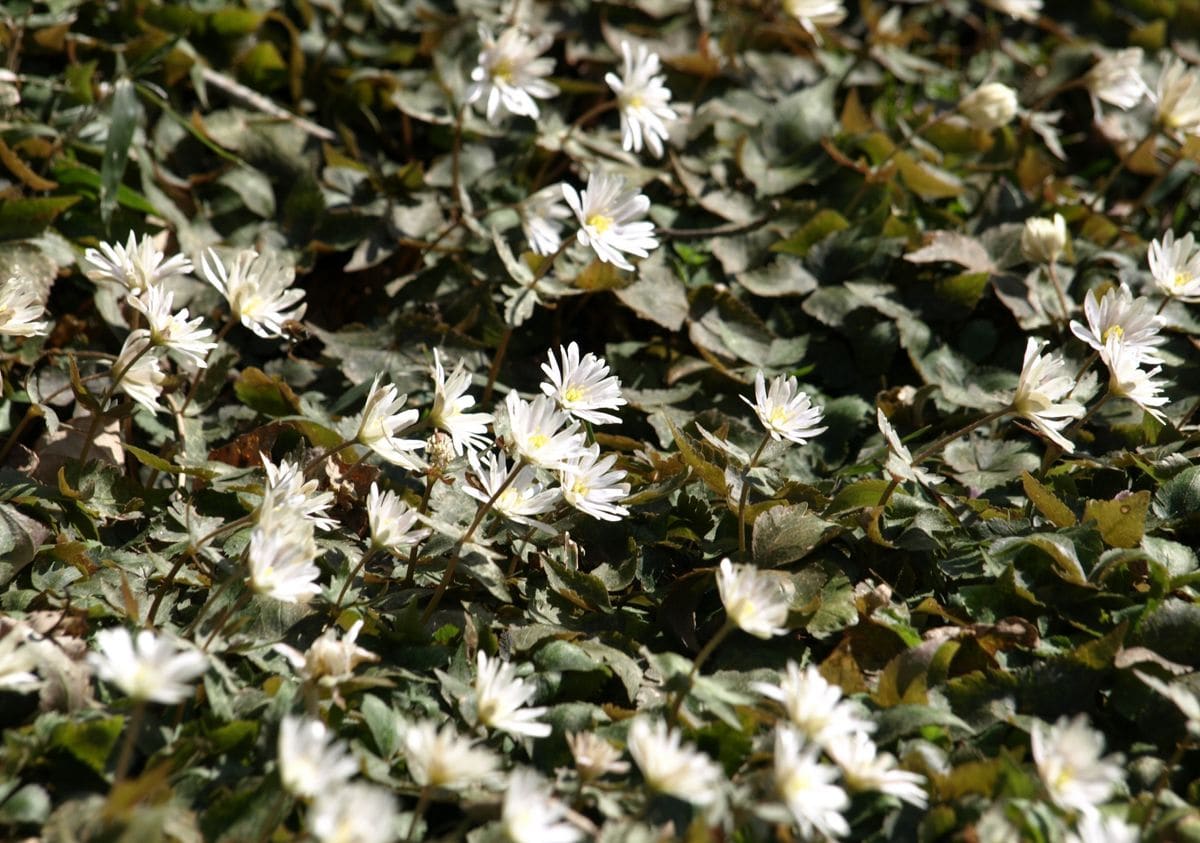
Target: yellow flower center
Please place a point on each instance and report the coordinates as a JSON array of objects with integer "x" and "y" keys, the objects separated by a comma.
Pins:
[
  {"x": 1115, "y": 331},
  {"x": 503, "y": 70},
  {"x": 635, "y": 101},
  {"x": 777, "y": 416},
  {"x": 580, "y": 489},
  {"x": 599, "y": 223},
  {"x": 572, "y": 394},
  {"x": 1182, "y": 279},
  {"x": 538, "y": 441}
]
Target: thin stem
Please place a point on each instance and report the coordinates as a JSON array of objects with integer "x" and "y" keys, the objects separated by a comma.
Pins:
[
  {"x": 320, "y": 458},
  {"x": 701, "y": 658},
  {"x": 162, "y": 589},
  {"x": 591, "y": 114},
  {"x": 746, "y": 494},
  {"x": 418, "y": 812},
  {"x": 1087, "y": 364},
  {"x": 456, "y": 159},
  {"x": 235, "y": 606},
  {"x": 362, "y": 562},
  {"x": 1162, "y": 305},
  {"x": 224, "y": 528},
  {"x": 896, "y": 150},
  {"x": 191, "y": 393},
  {"x": 99, "y": 413},
  {"x": 1052, "y": 273},
  {"x": 413, "y": 554},
  {"x": 31, "y": 412},
  {"x": 132, "y": 727}
]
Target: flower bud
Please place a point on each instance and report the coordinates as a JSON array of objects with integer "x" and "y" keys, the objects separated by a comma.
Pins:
[
  {"x": 989, "y": 106},
  {"x": 1043, "y": 240},
  {"x": 439, "y": 449}
]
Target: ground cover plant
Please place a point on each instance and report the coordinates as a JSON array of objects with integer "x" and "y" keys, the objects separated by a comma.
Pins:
[{"x": 622, "y": 421}]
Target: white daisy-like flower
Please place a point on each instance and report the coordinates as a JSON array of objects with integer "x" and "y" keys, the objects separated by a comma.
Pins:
[
  {"x": 815, "y": 706},
  {"x": 381, "y": 419},
  {"x": 21, "y": 307},
  {"x": 391, "y": 521},
  {"x": 1093, "y": 827},
  {"x": 542, "y": 434},
  {"x": 672, "y": 767},
  {"x": 594, "y": 756},
  {"x": 149, "y": 668},
  {"x": 173, "y": 330},
  {"x": 1068, "y": 759},
  {"x": 500, "y": 699},
  {"x": 807, "y": 786},
  {"x": 311, "y": 759},
  {"x": 610, "y": 221},
  {"x": 1175, "y": 266},
  {"x": 17, "y": 662},
  {"x": 865, "y": 768},
  {"x": 582, "y": 386},
  {"x": 1042, "y": 391},
  {"x": 900, "y": 460},
  {"x": 136, "y": 266},
  {"x": 1043, "y": 239},
  {"x": 989, "y": 106},
  {"x": 1179, "y": 97},
  {"x": 643, "y": 98},
  {"x": 1026, "y": 10},
  {"x": 329, "y": 660},
  {"x": 139, "y": 371},
  {"x": 281, "y": 554},
  {"x": 1131, "y": 322},
  {"x": 258, "y": 288},
  {"x": 814, "y": 13},
  {"x": 590, "y": 485},
  {"x": 511, "y": 73},
  {"x": 286, "y": 487},
  {"x": 542, "y": 216},
  {"x": 531, "y": 814},
  {"x": 450, "y": 401},
  {"x": 521, "y": 499},
  {"x": 1127, "y": 378},
  {"x": 753, "y": 600},
  {"x": 1117, "y": 78},
  {"x": 785, "y": 411},
  {"x": 353, "y": 813},
  {"x": 444, "y": 758}
]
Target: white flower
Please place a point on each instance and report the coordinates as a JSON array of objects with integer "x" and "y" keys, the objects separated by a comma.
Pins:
[
  {"x": 21, "y": 306},
  {"x": 381, "y": 419},
  {"x": 541, "y": 219},
  {"x": 815, "y": 706},
  {"x": 1042, "y": 391},
  {"x": 807, "y": 787},
  {"x": 1117, "y": 78},
  {"x": 589, "y": 485},
  {"x": 865, "y": 768},
  {"x": 500, "y": 699},
  {"x": 139, "y": 367},
  {"x": 1175, "y": 266},
  {"x": 354, "y": 813},
  {"x": 281, "y": 555},
  {"x": 582, "y": 386},
  {"x": 989, "y": 106},
  {"x": 173, "y": 330},
  {"x": 1068, "y": 759},
  {"x": 753, "y": 600},
  {"x": 814, "y": 13},
  {"x": 17, "y": 662},
  {"x": 1118, "y": 316},
  {"x": 1026, "y": 10},
  {"x": 670, "y": 766},
  {"x": 1127, "y": 378},
  {"x": 531, "y": 814},
  {"x": 542, "y": 434},
  {"x": 10, "y": 94},
  {"x": 643, "y": 98},
  {"x": 391, "y": 521},
  {"x": 785, "y": 411},
  {"x": 609, "y": 221},
  {"x": 521, "y": 499},
  {"x": 286, "y": 487},
  {"x": 150, "y": 668},
  {"x": 511, "y": 72},
  {"x": 311, "y": 759},
  {"x": 594, "y": 756},
  {"x": 444, "y": 759},
  {"x": 900, "y": 460},
  {"x": 329, "y": 660},
  {"x": 258, "y": 288},
  {"x": 450, "y": 401},
  {"x": 136, "y": 266},
  {"x": 1179, "y": 97},
  {"x": 1043, "y": 240},
  {"x": 1096, "y": 828}
]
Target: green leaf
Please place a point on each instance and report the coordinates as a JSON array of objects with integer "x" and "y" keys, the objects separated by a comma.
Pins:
[
  {"x": 904, "y": 719},
  {"x": 1179, "y": 497},
  {"x": 30, "y": 804},
  {"x": 689, "y": 449},
  {"x": 383, "y": 724},
  {"x": 579, "y": 587},
  {"x": 823, "y": 223},
  {"x": 784, "y": 534},
  {"x": 857, "y": 495},
  {"x": 20, "y": 218},
  {"x": 1121, "y": 521},
  {"x": 564, "y": 656},
  {"x": 124, "y": 117},
  {"x": 1046, "y": 502},
  {"x": 91, "y": 741},
  {"x": 265, "y": 393}
]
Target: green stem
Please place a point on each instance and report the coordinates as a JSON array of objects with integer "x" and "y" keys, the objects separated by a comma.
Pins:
[
  {"x": 1052, "y": 273},
  {"x": 410, "y": 574},
  {"x": 362, "y": 562},
  {"x": 132, "y": 727},
  {"x": 162, "y": 589},
  {"x": 745, "y": 495},
  {"x": 329, "y": 452},
  {"x": 235, "y": 606},
  {"x": 418, "y": 812},
  {"x": 195, "y": 385},
  {"x": 701, "y": 658},
  {"x": 99, "y": 413}
]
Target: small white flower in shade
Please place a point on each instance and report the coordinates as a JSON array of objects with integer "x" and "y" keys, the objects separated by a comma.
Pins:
[
  {"x": 139, "y": 367},
  {"x": 1179, "y": 97},
  {"x": 150, "y": 668},
  {"x": 643, "y": 98},
  {"x": 1043, "y": 239},
  {"x": 1026, "y": 10},
  {"x": 1127, "y": 378},
  {"x": 609, "y": 218},
  {"x": 450, "y": 401},
  {"x": 785, "y": 411},
  {"x": 989, "y": 106},
  {"x": 582, "y": 386},
  {"x": 281, "y": 555},
  {"x": 1117, "y": 78},
  {"x": 594, "y": 756},
  {"x": 1042, "y": 391},
  {"x": 311, "y": 759},
  {"x": 590, "y": 486},
  {"x": 500, "y": 699},
  {"x": 136, "y": 265},
  {"x": 391, "y": 521},
  {"x": 672, "y": 767},
  {"x": 10, "y": 93},
  {"x": 1093, "y": 827},
  {"x": 1175, "y": 266},
  {"x": 1118, "y": 316},
  {"x": 1068, "y": 760},
  {"x": 542, "y": 434},
  {"x": 753, "y": 600},
  {"x": 21, "y": 307},
  {"x": 531, "y": 814},
  {"x": 542, "y": 216},
  {"x": 258, "y": 288},
  {"x": 814, "y": 13},
  {"x": 17, "y": 662},
  {"x": 173, "y": 330},
  {"x": 865, "y": 768},
  {"x": 381, "y": 419},
  {"x": 329, "y": 660},
  {"x": 814, "y": 705},
  {"x": 286, "y": 487},
  {"x": 807, "y": 787},
  {"x": 353, "y": 813},
  {"x": 511, "y": 73},
  {"x": 444, "y": 758},
  {"x": 900, "y": 460},
  {"x": 521, "y": 499}
]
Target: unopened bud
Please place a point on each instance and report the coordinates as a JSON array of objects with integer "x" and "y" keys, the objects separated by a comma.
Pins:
[
  {"x": 989, "y": 106},
  {"x": 1043, "y": 240},
  {"x": 439, "y": 450}
]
